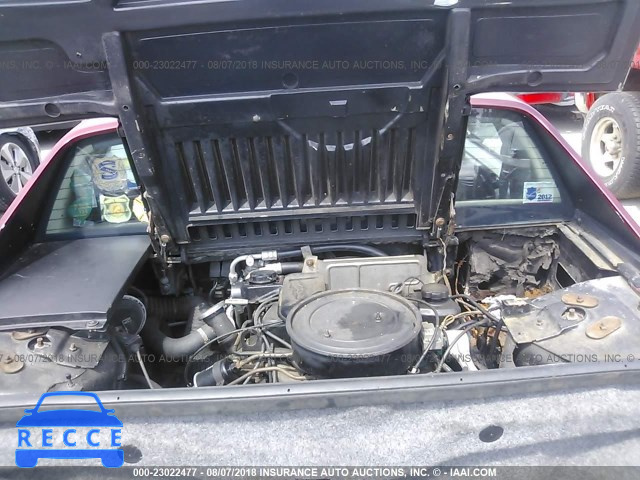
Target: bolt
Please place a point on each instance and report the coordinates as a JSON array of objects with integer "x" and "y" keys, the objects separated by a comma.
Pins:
[
  {"x": 310, "y": 262},
  {"x": 539, "y": 322},
  {"x": 164, "y": 238},
  {"x": 603, "y": 327},
  {"x": 73, "y": 347},
  {"x": 450, "y": 136},
  {"x": 327, "y": 334},
  {"x": 579, "y": 299},
  {"x": 256, "y": 118},
  {"x": 378, "y": 316},
  {"x": 92, "y": 323},
  {"x": 40, "y": 342}
]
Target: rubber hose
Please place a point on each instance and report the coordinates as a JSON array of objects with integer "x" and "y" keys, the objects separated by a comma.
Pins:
[
  {"x": 366, "y": 249},
  {"x": 123, "y": 366},
  {"x": 221, "y": 325},
  {"x": 290, "y": 267},
  {"x": 175, "y": 348},
  {"x": 170, "y": 308}
]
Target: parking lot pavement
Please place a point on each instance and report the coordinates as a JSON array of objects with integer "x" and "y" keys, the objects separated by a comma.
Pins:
[{"x": 568, "y": 123}]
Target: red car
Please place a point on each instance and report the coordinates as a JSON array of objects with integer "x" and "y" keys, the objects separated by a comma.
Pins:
[
  {"x": 322, "y": 205},
  {"x": 560, "y": 99}
]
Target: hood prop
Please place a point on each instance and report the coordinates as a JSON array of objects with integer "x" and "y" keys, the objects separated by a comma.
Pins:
[
  {"x": 438, "y": 205},
  {"x": 136, "y": 140}
]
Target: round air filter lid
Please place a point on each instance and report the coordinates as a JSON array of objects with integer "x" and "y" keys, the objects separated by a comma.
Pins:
[{"x": 354, "y": 323}]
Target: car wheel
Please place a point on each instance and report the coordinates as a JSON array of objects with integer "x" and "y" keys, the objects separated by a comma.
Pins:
[
  {"x": 17, "y": 164},
  {"x": 611, "y": 142}
]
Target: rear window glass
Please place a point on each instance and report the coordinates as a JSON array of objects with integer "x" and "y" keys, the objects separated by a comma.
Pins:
[
  {"x": 98, "y": 189},
  {"x": 502, "y": 163}
]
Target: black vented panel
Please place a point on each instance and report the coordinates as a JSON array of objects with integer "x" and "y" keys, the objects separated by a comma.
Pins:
[
  {"x": 303, "y": 231},
  {"x": 283, "y": 172}
]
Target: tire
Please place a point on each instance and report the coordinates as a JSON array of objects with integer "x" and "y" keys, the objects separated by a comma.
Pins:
[
  {"x": 16, "y": 152},
  {"x": 611, "y": 142}
]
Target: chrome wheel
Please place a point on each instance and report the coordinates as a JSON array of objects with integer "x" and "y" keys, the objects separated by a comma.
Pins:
[
  {"x": 605, "y": 151},
  {"x": 15, "y": 168}
]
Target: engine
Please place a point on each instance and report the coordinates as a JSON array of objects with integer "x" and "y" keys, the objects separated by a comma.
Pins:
[
  {"x": 326, "y": 313},
  {"x": 334, "y": 318}
]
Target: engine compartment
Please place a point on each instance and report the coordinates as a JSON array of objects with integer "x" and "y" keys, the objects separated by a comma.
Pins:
[{"x": 482, "y": 300}]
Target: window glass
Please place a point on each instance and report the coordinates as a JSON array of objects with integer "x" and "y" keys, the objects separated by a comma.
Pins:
[
  {"x": 98, "y": 190},
  {"x": 502, "y": 163}
]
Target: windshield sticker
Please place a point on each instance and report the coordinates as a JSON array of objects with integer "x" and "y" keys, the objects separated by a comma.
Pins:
[{"x": 538, "y": 192}]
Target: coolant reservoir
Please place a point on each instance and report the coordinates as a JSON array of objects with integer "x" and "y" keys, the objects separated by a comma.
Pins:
[{"x": 437, "y": 295}]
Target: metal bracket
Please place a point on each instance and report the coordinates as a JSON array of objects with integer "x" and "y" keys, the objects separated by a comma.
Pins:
[
  {"x": 138, "y": 147},
  {"x": 452, "y": 132},
  {"x": 10, "y": 363},
  {"x": 604, "y": 327},
  {"x": 580, "y": 300}
]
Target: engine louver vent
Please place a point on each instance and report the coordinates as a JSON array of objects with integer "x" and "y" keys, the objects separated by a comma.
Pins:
[
  {"x": 233, "y": 175},
  {"x": 309, "y": 231}
]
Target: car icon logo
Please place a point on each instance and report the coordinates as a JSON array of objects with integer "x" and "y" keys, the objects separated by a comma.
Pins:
[{"x": 83, "y": 433}]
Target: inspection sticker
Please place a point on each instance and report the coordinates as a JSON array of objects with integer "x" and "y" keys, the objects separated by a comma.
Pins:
[{"x": 538, "y": 192}]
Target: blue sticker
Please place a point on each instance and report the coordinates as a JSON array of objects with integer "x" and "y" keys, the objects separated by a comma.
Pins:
[
  {"x": 539, "y": 192},
  {"x": 108, "y": 170},
  {"x": 531, "y": 193}
]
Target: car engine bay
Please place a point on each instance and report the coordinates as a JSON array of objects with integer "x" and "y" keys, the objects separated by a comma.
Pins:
[{"x": 486, "y": 300}]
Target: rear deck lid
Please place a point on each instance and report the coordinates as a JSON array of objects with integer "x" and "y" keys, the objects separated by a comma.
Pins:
[{"x": 237, "y": 110}]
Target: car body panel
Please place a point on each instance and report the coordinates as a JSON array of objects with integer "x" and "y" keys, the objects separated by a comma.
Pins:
[
  {"x": 33, "y": 270},
  {"x": 409, "y": 420}
]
